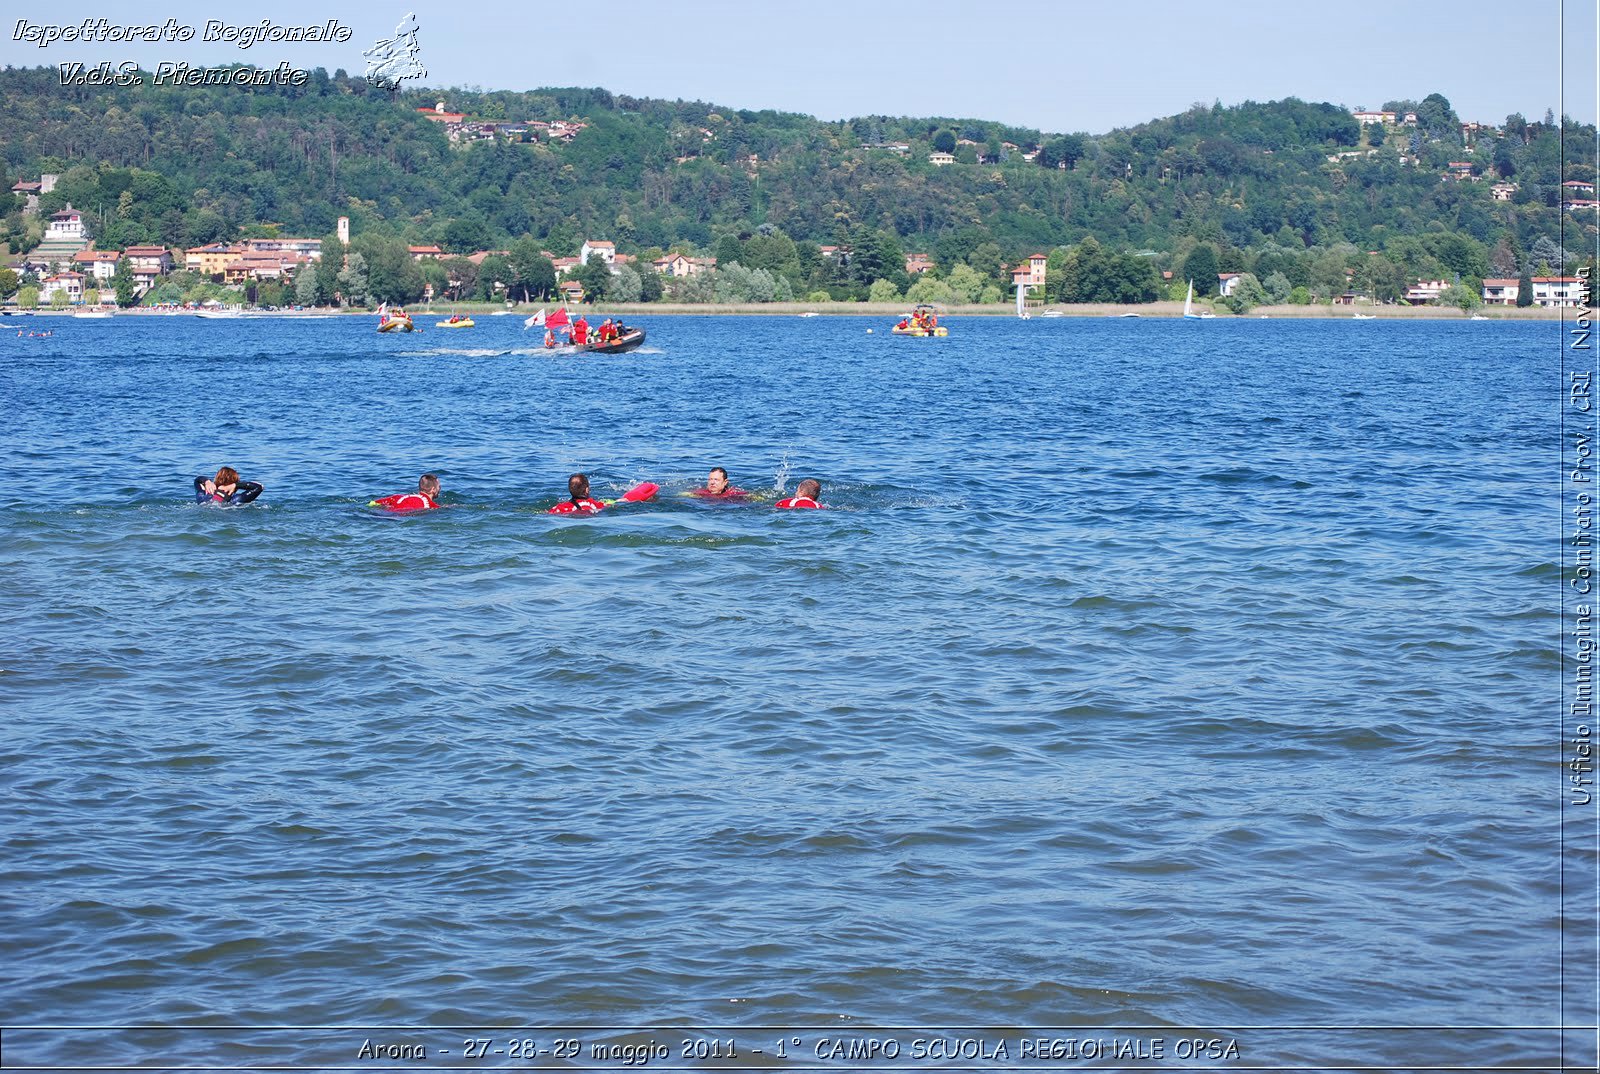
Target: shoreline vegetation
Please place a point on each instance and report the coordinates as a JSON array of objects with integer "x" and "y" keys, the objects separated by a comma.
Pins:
[{"x": 887, "y": 310}]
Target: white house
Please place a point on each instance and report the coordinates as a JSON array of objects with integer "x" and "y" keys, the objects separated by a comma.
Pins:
[
  {"x": 1500, "y": 291},
  {"x": 1426, "y": 290},
  {"x": 69, "y": 282},
  {"x": 67, "y": 224},
  {"x": 1558, "y": 291},
  {"x": 1226, "y": 282},
  {"x": 606, "y": 250},
  {"x": 99, "y": 264}
]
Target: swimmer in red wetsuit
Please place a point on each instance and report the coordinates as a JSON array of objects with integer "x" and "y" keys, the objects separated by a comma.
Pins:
[
  {"x": 805, "y": 495},
  {"x": 717, "y": 487},
  {"x": 581, "y": 502},
  {"x": 426, "y": 498}
]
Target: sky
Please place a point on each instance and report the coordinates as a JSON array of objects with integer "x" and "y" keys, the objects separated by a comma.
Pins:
[{"x": 1052, "y": 65}]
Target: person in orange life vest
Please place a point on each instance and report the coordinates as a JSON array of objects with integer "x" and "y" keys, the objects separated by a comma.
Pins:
[
  {"x": 426, "y": 498},
  {"x": 903, "y": 325},
  {"x": 606, "y": 333},
  {"x": 581, "y": 502},
  {"x": 805, "y": 495},
  {"x": 580, "y": 331},
  {"x": 717, "y": 487},
  {"x": 549, "y": 337}
]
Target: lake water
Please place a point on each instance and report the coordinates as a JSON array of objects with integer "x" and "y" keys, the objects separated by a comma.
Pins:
[{"x": 1155, "y": 679}]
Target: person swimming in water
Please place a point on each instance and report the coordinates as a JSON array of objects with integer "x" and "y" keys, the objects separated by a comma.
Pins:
[
  {"x": 225, "y": 488},
  {"x": 717, "y": 487},
  {"x": 581, "y": 503},
  {"x": 426, "y": 498},
  {"x": 805, "y": 495}
]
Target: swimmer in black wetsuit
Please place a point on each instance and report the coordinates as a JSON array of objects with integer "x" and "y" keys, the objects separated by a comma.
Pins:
[{"x": 225, "y": 488}]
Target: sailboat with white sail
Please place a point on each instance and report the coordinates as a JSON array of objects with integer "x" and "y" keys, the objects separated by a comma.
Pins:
[{"x": 1188, "y": 307}]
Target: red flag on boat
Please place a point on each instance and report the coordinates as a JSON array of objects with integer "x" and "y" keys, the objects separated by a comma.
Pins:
[{"x": 558, "y": 319}]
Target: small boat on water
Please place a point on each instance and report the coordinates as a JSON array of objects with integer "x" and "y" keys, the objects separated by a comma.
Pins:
[
  {"x": 394, "y": 320},
  {"x": 455, "y": 322},
  {"x": 1188, "y": 307},
  {"x": 923, "y": 321},
  {"x": 93, "y": 314},
  {"x": 630, "y": 339}
]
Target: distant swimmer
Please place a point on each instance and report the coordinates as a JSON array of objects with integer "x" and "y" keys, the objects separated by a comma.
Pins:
[
  {"x": 581, "y": 503},
  {"x": 717, "y": 487},
  {"x": 225, "y": 488},
  {"x": 426, "y": 498},
  {"x": 805, "y": 495}
]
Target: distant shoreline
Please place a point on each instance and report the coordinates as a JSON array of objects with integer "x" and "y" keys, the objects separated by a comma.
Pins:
[{"x": 893, "y": 310}]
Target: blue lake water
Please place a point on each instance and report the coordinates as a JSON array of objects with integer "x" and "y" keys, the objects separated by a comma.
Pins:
[{"x": 1141, "y": 673}]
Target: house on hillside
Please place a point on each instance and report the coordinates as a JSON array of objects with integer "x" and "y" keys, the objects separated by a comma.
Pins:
[
  {"x": 1030, "y": 271},
  {"x": 70, "y": 283},
  {"x": 67, "y": 225},
  {"x": 1425, "y": 291},
  {"x": 97, "y": 264},
  {"x": 941, "y": 159},
  {"x": 1559, "y": 292},
  {"x": 681, "y": 266},
  {"x": 606, "y": 250},
  {"x": 1227, "y": 281},
  {"x": 425, "y": 253},
  {"x": 1500, "y": 291},
  {"x": 1502, "y": 191},
  {"x": 439, "y": 114},
  {"x": 310, "y": 249},
  {"x": 917, "y": 264},
  {"x": 212, "y": 259},
  {"x": 1364, "y": 118}
]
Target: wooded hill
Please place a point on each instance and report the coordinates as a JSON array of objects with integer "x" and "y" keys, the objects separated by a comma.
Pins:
[{"x": 184, "y": 166}]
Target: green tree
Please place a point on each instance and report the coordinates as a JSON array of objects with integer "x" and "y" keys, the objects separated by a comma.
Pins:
[
  {"x": 931, "y": 290},
  {"x": 59, "y": 299},
  {"x": 1525, "y": 287},
  {"x": 28, "y": 298},
  {"x": 1201, "y": 267},
  {"x": 883, "y": 291},
  {"x": 532, "y": 272},
  {"x": 944, "y": 142},
  {"x": 122, "y": 280},
  {"x": 650, "y": 286},
  {"x": 1247, "y": 294},
  {"x": 9, "y": 282},
  {"x": 595, "y": 277},
  {"x": 353, "y": 280},
  {"x": 1460, "y": 295},
  {"x": 625, "y": 285},
  {"x": 305, "y": 287}
]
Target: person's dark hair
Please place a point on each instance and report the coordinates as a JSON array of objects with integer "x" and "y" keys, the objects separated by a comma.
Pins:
[
  {"x": 578, "y": 486},
  {"x": 226, "y": 476},
  {"x": 810, "y": 488},
  {"x": 720, "y": 470},
  {"x": 427, "y": 484}
]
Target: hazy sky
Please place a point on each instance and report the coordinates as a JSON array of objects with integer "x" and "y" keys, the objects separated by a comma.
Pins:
[{"x": 1057, "y": 65}]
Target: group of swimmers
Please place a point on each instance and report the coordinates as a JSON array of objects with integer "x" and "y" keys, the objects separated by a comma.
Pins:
[{"x": 227, "y": 488}]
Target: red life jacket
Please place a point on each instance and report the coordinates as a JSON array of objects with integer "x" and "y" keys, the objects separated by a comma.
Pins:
[
  {"x": 729, "y": 493},
  {"x": 586, "y": 506},
  {"x": 798, "y": 501},
  {"x": 406, "y": 501}
]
